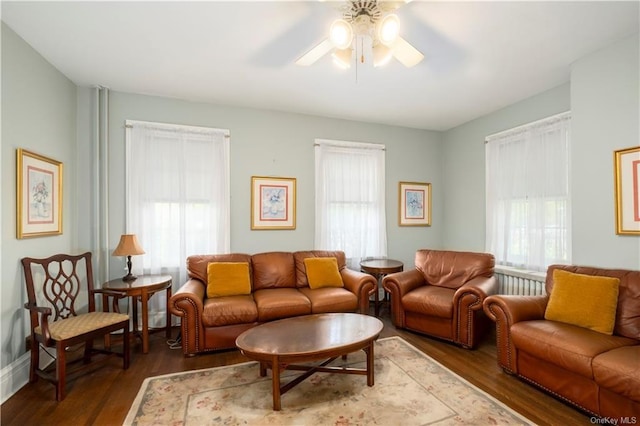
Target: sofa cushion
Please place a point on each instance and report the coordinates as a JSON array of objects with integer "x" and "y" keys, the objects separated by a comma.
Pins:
[
  {"x": 279, "y": 303},
  {"x": 273, "y": 270},
  {"x": 330, "y": 299},
  {"x": 430, "y": 300},
  {"x": 618, "y": 370},
  {"x": 229, "y": 310},
  {"x": 197, "y": 264},
  {"x": 301, "y": 270},
  {"x": 568, "y": 346},
  {"x": 453, "y": 268},
  {"x": 228, "y": 279},
  {"x": 583, "y": 300},
  {"x": 323, "y": 272},
  {"x": 628, "y": 311}
]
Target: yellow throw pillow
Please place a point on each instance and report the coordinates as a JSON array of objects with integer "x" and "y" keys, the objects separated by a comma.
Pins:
[
  {"x": 323, "y": 272},
  {"x": 584, "y": 300},
  {"x": 228, "y": 279}
]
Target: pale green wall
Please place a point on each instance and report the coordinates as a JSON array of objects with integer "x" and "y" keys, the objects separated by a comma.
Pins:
[
  {"x": 604, "y": 100},
  {"x": 268, "y": 143},
  {"x": 603, "y": 97},
  {"x": 39, "y": 115},
  {"x": 463, "y": 164}
]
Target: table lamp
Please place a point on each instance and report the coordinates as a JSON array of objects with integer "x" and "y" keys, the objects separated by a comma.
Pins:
[{"x": 128, "y": 246}]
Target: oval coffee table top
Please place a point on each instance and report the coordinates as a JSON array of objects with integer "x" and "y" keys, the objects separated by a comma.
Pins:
[{"x": 309, "y": 334}]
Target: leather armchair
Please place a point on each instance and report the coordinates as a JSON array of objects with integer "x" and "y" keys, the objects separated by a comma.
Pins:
[{"x": 443, "y": 295}]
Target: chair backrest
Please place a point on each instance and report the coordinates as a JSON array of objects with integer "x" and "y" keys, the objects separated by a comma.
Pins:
[
  {"x": 452, "y": 269},
  {"x": 58, "y": 281}
]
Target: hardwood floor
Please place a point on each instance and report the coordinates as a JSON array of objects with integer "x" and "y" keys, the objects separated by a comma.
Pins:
[{"x": 104, "y": 396}]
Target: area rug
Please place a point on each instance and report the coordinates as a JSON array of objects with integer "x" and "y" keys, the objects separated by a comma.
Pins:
[{"x": 410, "y": 389}]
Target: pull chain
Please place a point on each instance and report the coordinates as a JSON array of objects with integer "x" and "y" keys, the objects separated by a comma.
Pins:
[{"x": 356, "y": 55}]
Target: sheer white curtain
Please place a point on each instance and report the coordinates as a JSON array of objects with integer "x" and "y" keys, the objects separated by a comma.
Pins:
[
  {"x": 350, "y": 199},
  {"x": 178, "y": 200},
  {"x": 527, "y": 194}
]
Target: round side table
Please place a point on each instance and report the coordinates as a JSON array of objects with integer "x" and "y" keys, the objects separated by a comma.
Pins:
[
  {"x": 379, "y": 268},
  {"x": 141, "y": 289}
]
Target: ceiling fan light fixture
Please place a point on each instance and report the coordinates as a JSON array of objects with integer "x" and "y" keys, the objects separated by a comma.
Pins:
[
  {"x": 381, "y": 55},
  {"x": 341, "y": 34},
  {"x": 342, "y": 58},
  {"x": 389, "y": 29}
]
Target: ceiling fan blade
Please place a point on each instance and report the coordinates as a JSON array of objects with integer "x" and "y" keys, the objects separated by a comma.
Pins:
[
  {"x": 316, "y": 53},
  {"x": 404, "y": 52}
]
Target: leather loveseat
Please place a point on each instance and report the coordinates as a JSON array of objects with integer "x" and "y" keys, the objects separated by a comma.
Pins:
[
  {"x": 595, "y": 371},
  {"x": 443, "y": 295},
  {"x": 279, "y": 289}
]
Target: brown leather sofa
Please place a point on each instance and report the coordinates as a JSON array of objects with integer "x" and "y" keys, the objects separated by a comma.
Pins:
[
  {"x": 279, "y": 289},
  {"x": 443, "y": 295},
  {"x": 596, "y": 372}
]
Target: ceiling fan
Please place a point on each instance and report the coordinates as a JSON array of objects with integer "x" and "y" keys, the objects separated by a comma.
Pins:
[{"x": 365, "y": 19}]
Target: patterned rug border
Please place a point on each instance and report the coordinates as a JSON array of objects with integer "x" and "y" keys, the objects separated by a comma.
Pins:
[
  {"x": 143, "y": 387},
  {"x": 461, "y": 378}
]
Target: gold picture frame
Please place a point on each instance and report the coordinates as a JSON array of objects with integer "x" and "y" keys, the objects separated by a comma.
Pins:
[
  {"x": 627, "y": 190},
  {"x": 273, "y": 202},
  {"x": 38, "y": 195},
  {"x": 414, "y": 204}
]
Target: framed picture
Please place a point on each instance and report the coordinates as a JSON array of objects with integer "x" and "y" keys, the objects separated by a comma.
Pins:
[
  {"x": 273, "y": 203},
  {"x": 414, "y": 204},
  {"x": 627, "y": 175},
  {"x": 38, "y": 195}
]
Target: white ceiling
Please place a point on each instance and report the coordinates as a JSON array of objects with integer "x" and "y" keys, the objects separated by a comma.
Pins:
[{"x": 479, "y": 56}]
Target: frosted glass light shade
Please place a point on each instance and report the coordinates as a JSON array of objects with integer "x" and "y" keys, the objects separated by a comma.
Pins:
[
  {"x": 389, "y": 29},
  {"x": 381, "y": 55},
  {"x": 342, "y": 58},
  {"x": 341, "y": 34}
]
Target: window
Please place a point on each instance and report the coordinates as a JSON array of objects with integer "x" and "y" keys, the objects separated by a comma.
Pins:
[
  {"x": 527, "y": 192},
  {"x": 350, "y": 199},
  {"x": 177, "y": 194}
]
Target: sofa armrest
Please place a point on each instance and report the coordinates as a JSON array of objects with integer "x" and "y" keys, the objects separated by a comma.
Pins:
[
  {"x": 467, "y": 308},
  {"x": 188, "y": 304},
  {"x": 507, "y": 310},
  {"x": 361, "y": 285},
  {"x": 399, "y": 284}
]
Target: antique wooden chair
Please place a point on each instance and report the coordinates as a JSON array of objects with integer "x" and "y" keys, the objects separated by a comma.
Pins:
[{"x": 54, "y": 285}]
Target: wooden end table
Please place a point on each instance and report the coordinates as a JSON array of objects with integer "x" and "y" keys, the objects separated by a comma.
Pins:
[
  {"x": 379, "y": 268},
  {"x": 141, "y": 290},
  {"x": 279, "y": 344}
]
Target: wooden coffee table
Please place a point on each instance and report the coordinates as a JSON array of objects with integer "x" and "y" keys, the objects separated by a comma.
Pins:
[{"x": 278, "y": 345}]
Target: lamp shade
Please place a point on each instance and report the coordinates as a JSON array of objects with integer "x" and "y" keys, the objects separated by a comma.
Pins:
[{"x": 128, "y": 246}]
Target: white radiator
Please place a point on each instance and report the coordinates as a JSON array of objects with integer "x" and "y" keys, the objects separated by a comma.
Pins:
[{"x": 519, "y": 282}]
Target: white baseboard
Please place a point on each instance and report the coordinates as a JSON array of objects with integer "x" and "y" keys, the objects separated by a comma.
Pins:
[{"x": 14, "y": 376}]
